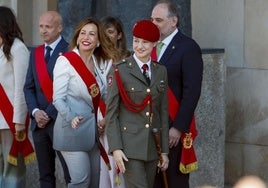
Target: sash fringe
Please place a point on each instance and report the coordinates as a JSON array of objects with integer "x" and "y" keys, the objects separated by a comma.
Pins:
[
  {"x": 185, "y": 169},
  {"x": 29, "y": 158},
  {"x": 117, "y": 180},
  {"x": 12, "y": 160}
]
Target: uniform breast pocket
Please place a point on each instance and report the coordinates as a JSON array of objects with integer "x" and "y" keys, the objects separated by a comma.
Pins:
[
  {"x": 135, "y": 92},
  {"x": 129, "y": 128}
]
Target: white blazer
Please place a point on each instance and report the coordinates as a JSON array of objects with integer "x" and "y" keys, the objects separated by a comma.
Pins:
[
  {"x": 71, "y": 98},
  {"x": 12, "y": 78}
]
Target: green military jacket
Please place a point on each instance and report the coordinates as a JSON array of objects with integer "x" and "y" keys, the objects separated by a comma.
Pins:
[{"x": 129, "y": 131}]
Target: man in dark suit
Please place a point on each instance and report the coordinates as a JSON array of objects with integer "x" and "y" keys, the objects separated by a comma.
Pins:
[
  {"x": 182, "y": 57},
  {"x": 38, "y": 94}
]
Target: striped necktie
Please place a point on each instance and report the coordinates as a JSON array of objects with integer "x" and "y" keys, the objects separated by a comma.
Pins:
[{"x": 145, "y": 73}]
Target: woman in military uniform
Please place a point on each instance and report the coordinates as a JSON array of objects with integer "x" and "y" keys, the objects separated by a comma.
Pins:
[{"x": 136, "y": 104}]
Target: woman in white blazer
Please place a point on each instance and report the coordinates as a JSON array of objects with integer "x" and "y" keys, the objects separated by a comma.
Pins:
[
  {"x": 75, "y": 130},
  {"x": 14, "y": 59}
]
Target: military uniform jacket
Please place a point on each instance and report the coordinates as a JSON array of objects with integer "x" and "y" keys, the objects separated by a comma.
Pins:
[{"x": 130, "y": 131}]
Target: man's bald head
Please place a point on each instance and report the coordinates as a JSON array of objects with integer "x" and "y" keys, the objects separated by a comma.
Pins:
[
  {"x": 250, "y": 182},
  {"x": 50, "y": 26}
]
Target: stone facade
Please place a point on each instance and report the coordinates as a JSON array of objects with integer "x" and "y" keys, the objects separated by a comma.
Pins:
[
  {"x": 210, "y": 116},
  {"x": 241, "y": 28},
  {"x": 128, "y": 11},
  {"x": 247, "y": 119}
]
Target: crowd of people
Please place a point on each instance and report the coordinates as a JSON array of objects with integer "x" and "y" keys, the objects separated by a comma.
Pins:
[{"x": 102, "y": 109}]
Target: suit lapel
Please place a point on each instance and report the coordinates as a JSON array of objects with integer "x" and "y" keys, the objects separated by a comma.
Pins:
[
  {"x": 60, "y": 49},
  {"x": 85, "y": 93},
  {"x": 170, "y": 49}
]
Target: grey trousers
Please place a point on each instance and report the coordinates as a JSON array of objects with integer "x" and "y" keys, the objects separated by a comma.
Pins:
[{"x": 84, "y": 167}]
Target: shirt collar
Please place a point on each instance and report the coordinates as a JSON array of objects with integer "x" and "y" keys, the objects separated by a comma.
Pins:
[
  {"x": 140, "y": 63},
  {"x": 168, "y": 39},
  {"x": 54, "y": 44}
]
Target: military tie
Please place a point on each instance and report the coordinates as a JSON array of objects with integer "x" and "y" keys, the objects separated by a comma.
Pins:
[
  {"x": 47, "y": 55},
  {"x": 159, "y": 47},
  {"x": 145, "y": 73}
]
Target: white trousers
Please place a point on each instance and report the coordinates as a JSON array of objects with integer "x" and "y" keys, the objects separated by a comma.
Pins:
[
  {"x": 10, "y": 175},
  {"x": 107, "y": 177}
]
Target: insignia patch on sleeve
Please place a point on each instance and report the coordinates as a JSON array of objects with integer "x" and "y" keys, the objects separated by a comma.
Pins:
[
  {"x": 110, "y": 80},
  {"x": 162, "y": 84}
]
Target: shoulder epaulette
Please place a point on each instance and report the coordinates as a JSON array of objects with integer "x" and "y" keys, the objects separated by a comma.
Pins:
[
  {"x": 122, "y": 62},
  {"x": 155, "y": 63}
]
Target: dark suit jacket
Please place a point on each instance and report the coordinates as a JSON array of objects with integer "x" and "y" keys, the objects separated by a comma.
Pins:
[
  {"x": 33, "y": 94},
  {"x": 183, "y": 60}
]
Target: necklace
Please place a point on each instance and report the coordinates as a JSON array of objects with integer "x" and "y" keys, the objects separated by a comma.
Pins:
[{"x": 103, "y": 66}]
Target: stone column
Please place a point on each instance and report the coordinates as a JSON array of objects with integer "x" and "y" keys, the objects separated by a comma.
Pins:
[{"x": 210, "y": 117}]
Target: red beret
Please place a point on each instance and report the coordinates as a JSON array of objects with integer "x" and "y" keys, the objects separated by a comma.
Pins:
[{"x": 146, "y": 30}]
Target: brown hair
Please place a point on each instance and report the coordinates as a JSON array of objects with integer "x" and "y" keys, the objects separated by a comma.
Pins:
[
  {"x": 9, "y": 30},
  {"x": 122, "y": 42},
  {"x": 106, "y": 50}
]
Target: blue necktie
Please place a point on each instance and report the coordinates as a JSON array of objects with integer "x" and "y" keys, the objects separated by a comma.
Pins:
[{"x": 47, "y": 55}]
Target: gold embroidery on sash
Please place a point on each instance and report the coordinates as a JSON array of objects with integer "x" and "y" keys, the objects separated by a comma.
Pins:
[
  {"x": 188, "y": 141},
  {"x": 94, "y": 90}
]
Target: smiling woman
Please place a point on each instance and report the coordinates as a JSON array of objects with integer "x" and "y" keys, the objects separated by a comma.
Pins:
[
  {"x": 135, "y": 106},
  {"x": 78, "y": 89},
  {"x": 110, "y": 178},
  {"x": 87, "y": 41}
]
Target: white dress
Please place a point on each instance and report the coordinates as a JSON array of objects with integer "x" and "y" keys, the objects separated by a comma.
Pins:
[{"x": 107, "y": 177}]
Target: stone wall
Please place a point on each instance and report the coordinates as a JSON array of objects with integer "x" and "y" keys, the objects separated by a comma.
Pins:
[
  {"x": 210, "y": 116},
  {"x": 247, "y": 120},
  {"x": 129, "y": 12},
  {"x": 241, "y": 28}
]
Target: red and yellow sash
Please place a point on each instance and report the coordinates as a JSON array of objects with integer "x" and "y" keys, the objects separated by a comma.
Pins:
[
  {"x": 93, "y": 89},
  {"x": 20, "y": 144},
  {"x": 188, "y": 160},
  {"x": 45, "y": 81}
]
